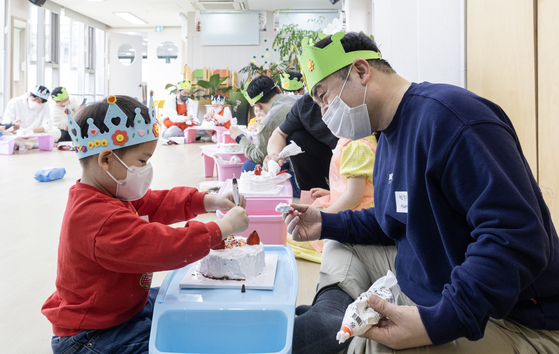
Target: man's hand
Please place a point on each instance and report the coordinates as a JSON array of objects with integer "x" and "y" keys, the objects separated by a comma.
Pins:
[
  {"x": 272, "y": 157},
  {"x": 235, "y": 131},
  {"x": 400, "y": 329},
  {"x": 318, "y": 192},
  {"x": 304, "y": 224}
]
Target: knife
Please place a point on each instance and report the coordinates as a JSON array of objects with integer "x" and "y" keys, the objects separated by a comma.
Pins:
[{"x": 235, "y": 191}]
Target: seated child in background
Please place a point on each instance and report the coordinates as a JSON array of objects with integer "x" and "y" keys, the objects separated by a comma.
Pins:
[
  {"x": 115, "y": 235},
  {"x": 218, "y": 116},
  {"x": 351, "y": 179},
  {"x": 255, "y": 122},
  {"x": 179, "y": 112}
]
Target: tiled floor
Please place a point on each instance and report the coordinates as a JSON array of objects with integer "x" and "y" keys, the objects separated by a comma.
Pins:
[{"x": 30, "y": 218}]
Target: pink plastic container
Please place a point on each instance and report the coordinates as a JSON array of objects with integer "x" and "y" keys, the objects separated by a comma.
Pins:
[
  {"x": 226, "y": 138},
  {"x": 227, "y": 171},
  {"x": 263, "y": 215},
  {"x": 7, "y": 145},
  {"x": 46, "y": 142}
]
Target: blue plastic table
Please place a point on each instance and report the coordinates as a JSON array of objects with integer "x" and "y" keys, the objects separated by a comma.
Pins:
[{"x": 227, "y": 320}]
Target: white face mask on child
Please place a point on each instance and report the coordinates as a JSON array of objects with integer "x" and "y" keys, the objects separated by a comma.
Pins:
[
  {"x": 136, "y": 183},
  {"x": 351, "y": 123},
  {"x": 32, "y": 104}
]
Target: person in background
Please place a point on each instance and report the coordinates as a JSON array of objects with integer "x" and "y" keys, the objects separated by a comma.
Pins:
[
  {"x": 115, "y": 233},
  {"x": 218, "y": 116},
  {"x": 61, "y": 100},
  {"x": 29, "y": 112},
  {"x": 458, "y": 218},
  {"x": 292, "y": 83},
  {"x": 304, "y": 125},
  {"x": 180, "y": 112}
]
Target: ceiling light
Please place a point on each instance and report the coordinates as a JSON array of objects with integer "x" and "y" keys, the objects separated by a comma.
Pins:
[{"x": 131, "y": 18}]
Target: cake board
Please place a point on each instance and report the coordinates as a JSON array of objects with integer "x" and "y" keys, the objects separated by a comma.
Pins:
[{"x": 264, "y": 281}]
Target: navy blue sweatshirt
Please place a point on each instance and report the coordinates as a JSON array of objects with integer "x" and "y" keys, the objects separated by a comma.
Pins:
[{"x": 455, "y": 194}]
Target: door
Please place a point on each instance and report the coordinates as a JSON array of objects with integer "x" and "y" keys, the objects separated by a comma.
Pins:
[
  {"x": 19, "y": 57},
  {"x": 125, "y": 65}
]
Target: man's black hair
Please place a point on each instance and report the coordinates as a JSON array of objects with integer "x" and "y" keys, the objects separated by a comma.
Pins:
[
  {"x": 56, "y": 91},
  {"x": 97, "y": 112},
  {"x": 293, "y": 75},
  {"x": 41, "y": 88},
  {"x": 263, "y": 84},
  {"x": 354, "y": 41}
]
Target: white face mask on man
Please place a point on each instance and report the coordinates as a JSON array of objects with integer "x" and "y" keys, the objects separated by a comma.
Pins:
[
  {"x": 136, "y": 183},
  {"x": 351, "y": 123}
]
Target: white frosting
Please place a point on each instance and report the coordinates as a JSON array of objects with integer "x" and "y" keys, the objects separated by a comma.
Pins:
[
  {"x": 253, "y": 183},
  {"x": 283, "y": 208},
  {"x": 237, "y": 263}
]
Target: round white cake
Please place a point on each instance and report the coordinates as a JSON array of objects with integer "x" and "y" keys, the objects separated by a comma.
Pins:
[
  {"x": 238, "y": 261},
  {"x": 253, "y": 183}
]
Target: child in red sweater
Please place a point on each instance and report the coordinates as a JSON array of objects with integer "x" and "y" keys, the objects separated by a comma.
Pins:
[{"x": 115, "y": 235}]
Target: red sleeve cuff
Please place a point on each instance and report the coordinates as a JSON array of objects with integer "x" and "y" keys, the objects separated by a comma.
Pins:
[
  {"x": 197, "y": 203},
  {"x": 215, "y": 234}
]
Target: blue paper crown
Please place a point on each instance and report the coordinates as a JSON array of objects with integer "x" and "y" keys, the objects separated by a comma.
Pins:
[
  {"x": 218, "y": 99},
  {"x": 44, "y": 94},
  {"x": 118, "y": 136}
]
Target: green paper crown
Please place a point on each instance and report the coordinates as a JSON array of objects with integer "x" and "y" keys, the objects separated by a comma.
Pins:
[
  {"x": 290, "y": 85},
  {"x": 253, "y": 100},
  {"x": 61, "y": 96},
  {"x": 317, "y": 63},
  {"x": 184, "y": 85}
]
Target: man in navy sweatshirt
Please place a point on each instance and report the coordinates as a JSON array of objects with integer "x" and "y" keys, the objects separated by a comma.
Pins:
[{"x": 458, "y": 217}]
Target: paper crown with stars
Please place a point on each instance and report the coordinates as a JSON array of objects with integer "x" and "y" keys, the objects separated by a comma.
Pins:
[
  {"x": 256, "y": 98},
  {"x": 318, "y": 63},
  {"x": 184, "y": 85},
  {"x": 291, "y": 85},
  {"x": 44, "y": 93},
  {"x": 119, "y": 135},
  {"x": 218, "y": 99},
  {"x": 61, "y": 96}
]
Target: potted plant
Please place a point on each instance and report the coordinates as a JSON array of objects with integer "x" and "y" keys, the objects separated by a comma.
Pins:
[
  {"x": 193, "y": 92},
  {"x": 239, "y": 105},
  {"x": 212, "y": 88}
]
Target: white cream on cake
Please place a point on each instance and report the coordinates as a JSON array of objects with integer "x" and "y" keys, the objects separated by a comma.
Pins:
[
  {"x": 254, "y": 183},
  {"x": 238, "y": 261}
]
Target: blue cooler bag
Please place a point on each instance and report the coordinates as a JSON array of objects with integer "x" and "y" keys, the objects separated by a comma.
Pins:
[{"x": 50, "y": 174}]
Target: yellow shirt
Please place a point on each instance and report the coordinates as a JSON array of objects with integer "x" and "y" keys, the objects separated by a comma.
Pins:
[
  {"x": 358, "y": 159},
  {"x": 251, "y": 122}
]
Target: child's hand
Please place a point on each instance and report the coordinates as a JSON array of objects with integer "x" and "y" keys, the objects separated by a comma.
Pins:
[
  {"x": 318, "y": 192},
  {"x": 223, "y": 202},
  {"x": 234, "y": 222}
]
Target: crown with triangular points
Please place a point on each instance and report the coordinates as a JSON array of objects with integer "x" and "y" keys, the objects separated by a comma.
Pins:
[
  {"x": 218, "y": 99},
  {"x": 44, "y": 93},
  {"x": 61, "y": 96},
  {"x": 317, "y": 63},
  {"x": 291, "y": 85},
  {"x": 256, "y": 98},
  {"x": 119, "y": 135},
  {"x": 184, "y": 85}
]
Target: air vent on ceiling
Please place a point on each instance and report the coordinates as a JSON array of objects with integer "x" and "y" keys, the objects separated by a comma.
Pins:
[{"x": 222, "y": 5}]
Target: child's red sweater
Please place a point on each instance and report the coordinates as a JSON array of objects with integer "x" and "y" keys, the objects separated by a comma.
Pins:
[{"x": 107, "y": 253}]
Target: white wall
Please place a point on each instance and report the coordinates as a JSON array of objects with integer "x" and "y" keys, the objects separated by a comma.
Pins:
[
  {"x": 234, "y": 57},
  {"x": 160, "y": 74},
  {"x": 423, "y": 40}
]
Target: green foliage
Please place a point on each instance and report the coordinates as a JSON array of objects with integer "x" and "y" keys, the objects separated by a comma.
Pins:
[
  {"x": 290, "y": 37},
  {"x": 274, "y": 70},
  {"x": 213, "y": 86}
]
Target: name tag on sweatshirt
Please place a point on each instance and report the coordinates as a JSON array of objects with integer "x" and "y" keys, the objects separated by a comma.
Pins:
[{"x": 401, "y": 202}]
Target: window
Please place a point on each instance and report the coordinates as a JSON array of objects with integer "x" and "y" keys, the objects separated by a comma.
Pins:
[
  {"x": 90, "y": 48},
  {"x": 51, "y": 37}
]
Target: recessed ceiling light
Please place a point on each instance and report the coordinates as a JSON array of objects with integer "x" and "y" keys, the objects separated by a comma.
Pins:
[{"x": 130, "y": 18}]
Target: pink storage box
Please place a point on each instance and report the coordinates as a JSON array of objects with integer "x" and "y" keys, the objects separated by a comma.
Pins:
[
  {"x": 263, "y": 215},
  {"x": 226, "y": 138},
  {"x": 227, "y": 171},
  {"x": 190, "y": 133},
  {"x": 7, "y": 145}
]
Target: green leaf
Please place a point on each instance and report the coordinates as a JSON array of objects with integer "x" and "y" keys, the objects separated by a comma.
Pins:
[{"x": 169, "y": 85}]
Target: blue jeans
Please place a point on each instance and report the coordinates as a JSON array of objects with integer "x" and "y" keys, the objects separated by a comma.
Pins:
[
  {"x": 131, "y": 337},
  {"x": 249, "y": 165}
]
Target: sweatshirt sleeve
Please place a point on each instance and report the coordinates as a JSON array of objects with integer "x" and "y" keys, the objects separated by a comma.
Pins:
[
  {"x": 355, "y": 227},
  {"x": 10, "y": 113},
  {"x": 170, "y": 111},
  {"x": 490, "y": 184},
  {"x": 251, "y": 150},
  {"x": 128, "y": 243}
]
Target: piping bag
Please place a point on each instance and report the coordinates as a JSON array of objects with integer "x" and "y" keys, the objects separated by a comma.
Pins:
[{"x": 359, "y": 316}]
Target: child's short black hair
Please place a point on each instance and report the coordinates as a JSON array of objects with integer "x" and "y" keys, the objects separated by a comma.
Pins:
[
  {"x": 41, "y": 88},
  {"x": 293, "y": 75},
  {"x": 263, "y": 84},
  {"x": 97, "y": 112}
]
